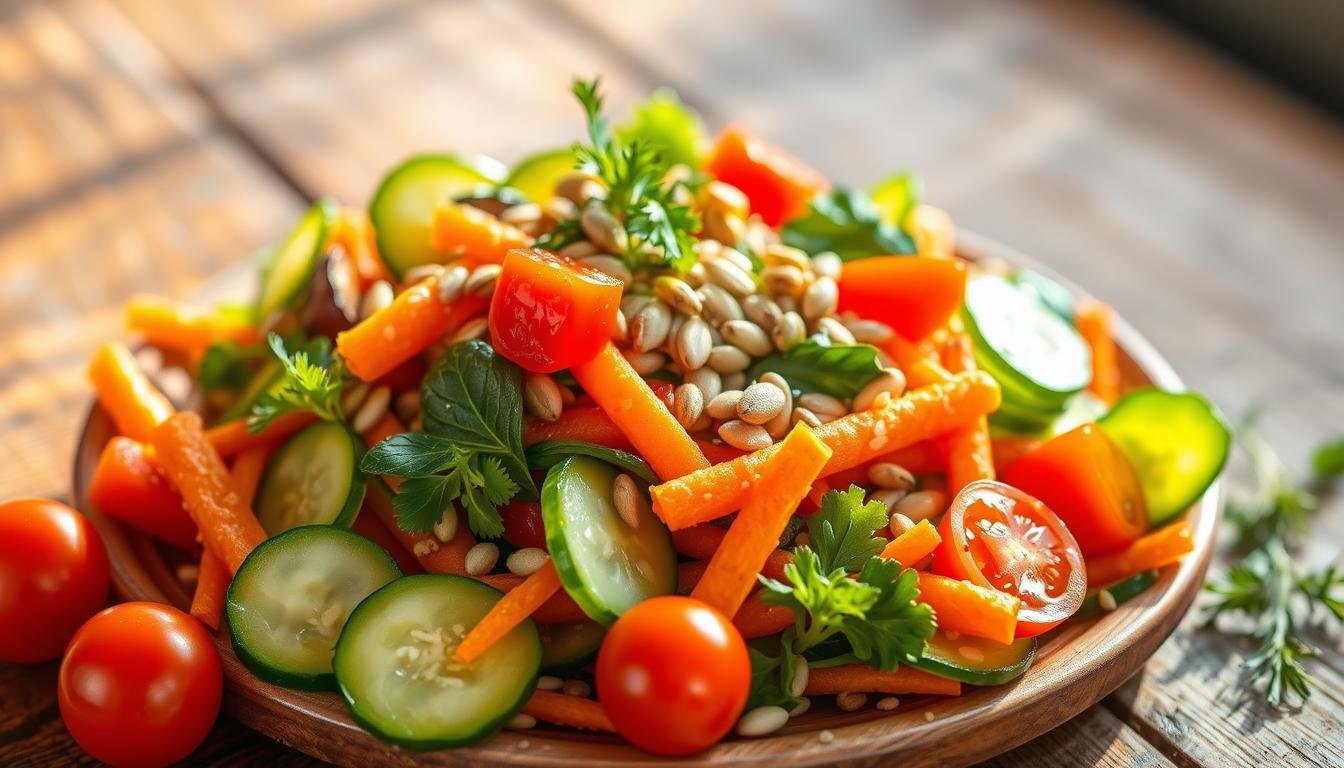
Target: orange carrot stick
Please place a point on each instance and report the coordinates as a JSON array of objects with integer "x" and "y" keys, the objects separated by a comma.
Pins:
[
  {"x": 586, "y": 424},
  {"x": 758, "y": 619},
  {"x": 702, "y": 541},
  {"x": 638, "y": 412},
  {"x": 560, "y": 609},
  {"x": 563, "y": 709},
  {"x": 970, "y": 455},
  {"x": 919, "y": 362},
  {"x": 223, "y": 516},
  {"x": 865, "y": 679},
  {"x": 123, "y": 390},
  {"x": 1093, "y": 320},
  {"x": 511, "y": 610},
  {"x": 1161, "y": 547},
  {"x": 970, "y": 608},
  {"x": 212, "y": 583},
  {"x": 755, "y": 531},
  {"x": 854, "y": 439},
  {"x": 913, "y": 545},
  {"x": 232, "y": 438},
  {"x": 404, "y": 328},
  {"x": 466, "y": 232},
  {"x": 172, "y": 325},
  {"x": 353, "y": 232}
]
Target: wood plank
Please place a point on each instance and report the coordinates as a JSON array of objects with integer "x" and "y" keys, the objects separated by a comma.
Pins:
[{"x": 1095, "y": 738}]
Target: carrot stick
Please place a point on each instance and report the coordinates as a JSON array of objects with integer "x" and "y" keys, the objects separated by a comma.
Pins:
[
  {"x": 913, "y": 545},
  {"x": 563, "y": 709},
  {"x": 123, "y": 390},
  {"x": 223, "y": 516},
  {"x": 758, "y": 619},
  {"x": 172, "y": 325},
  {"x": 232, "y": 438},
  {"x": 468, "y": 233},
  {"x": 638, "y": 412},
  {"x": 406, "y": 327},
  {"x": 854, "y": 439},
  {"x": 369, "y": 525},
  {"x": 353, "y": 232},
  {"x": 560, "y": 609},
  {"x": 702, "y": 541},
  {"x": 865, "y": 679},
  {"x": 970, "y": 608},
  {"x": 1093, "y": 320},
  {"x": 212, "y": 583},
  {"x": 755, "y": 531},
  {"x": 586, "y": 424},
  {"x": 970, "y": 455},
  {"x": 1161, "y": 547},
  {"x": 919, "y": 362},
  {"x": 511, "y": 610},
  {"x": 1009, "y": 448}
]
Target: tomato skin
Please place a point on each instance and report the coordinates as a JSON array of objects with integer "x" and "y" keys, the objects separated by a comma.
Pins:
[
  {"x": 673, "y": 675},
  {"x": 522, "y": 524},
  {"x": 140, "y": 685},
  {"x": 777, "y": 186},
  {"x": 130, "y": 489},
  {"x": 53, "y": 576},
  {"x": 1085, "y": 479},
  {"x": 549, "y": 313},
  {"x": 915, "y": 295}
]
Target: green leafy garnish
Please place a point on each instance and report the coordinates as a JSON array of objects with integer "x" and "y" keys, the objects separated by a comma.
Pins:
[
  {"x": 817, "y": 365},
  {"x": 225, "y": 366},
  {"x": 312, "y": 383},
  {"x": 847, "y": 222},
  {"x": 1328, "y": 461},
  {"x": 895, "y": 195},
  {"x": 546, "y": 454},
  {"x": 772, "y": 677},
  {"x": 669, "y": 126},
  {"x": 477, "y": 481},
  {"x": 842, "y": 531}
]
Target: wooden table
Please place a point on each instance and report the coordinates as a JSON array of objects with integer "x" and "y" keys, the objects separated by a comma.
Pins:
[{"x": 146, "y": 144}]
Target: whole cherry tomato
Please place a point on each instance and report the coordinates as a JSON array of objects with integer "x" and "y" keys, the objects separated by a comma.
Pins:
[
  {"x": 53, "y": 576},
  {"x": 140, "y": 685},
  {"x": 673, "y": 675}
]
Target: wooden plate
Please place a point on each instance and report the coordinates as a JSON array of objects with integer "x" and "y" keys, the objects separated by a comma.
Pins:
[{"x": 1075, "y": 666}]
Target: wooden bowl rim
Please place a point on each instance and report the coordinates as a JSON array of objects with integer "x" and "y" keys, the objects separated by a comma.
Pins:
[{"x": 317, "y": 723}]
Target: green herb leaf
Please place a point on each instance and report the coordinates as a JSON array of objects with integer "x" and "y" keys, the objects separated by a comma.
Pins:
[
  {"x": 1328, "y": 460},
  {"x": 842, "y": 531},
  {"x": 313, "y": 382},
  {"x": 479, "y": 483},
  {"x": 847, "y": 222},
  {"x": 669, "y": 126},
  {"x": 225, "y": 366},
  {"x": 772, "y": 677},
  {"x": 410, "y": 454},
  {"x": 546, "y": 454},
  {"x": 816, "y": 365}
]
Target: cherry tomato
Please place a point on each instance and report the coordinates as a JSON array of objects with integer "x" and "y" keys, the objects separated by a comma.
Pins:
[
  {"x": 140, "y": 685},
  {"x": 999, "y": 537},
  {"x": 128, "y": 488},
  {"x": 1086, "y": 480},
  {"x": 673, "y": 675},
  {"x": 53, "y": 576},
  {"x": 912, "y": 294},
  {"x": 778, "y": 186},
  {"x": 522, "y": 524},
  {"x": 550, "y": 313}
]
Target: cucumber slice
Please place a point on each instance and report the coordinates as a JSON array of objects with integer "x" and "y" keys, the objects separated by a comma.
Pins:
[
  {"x": 292, "y": 595},
  {"x": 976, "y": 661},
  {"x": 1121, "y": 591},
  {"x": 402, "y": 210},
  {"x": 268, "y": 375},
  {"x": 313, "y": 479},
  {"x": 393, "y": 663},
  {"x": 604, "y": 564},
  {"x": 291, "y": 264},
  {"x": 1024, "y": 344},
  {"x": 566, "y": 647},
  {"x": 1054, "y": 296},
  {"x": 536, "y": 175},
  {"x": 1177, "y": 441},
  {"x": 546, "y": 454}
]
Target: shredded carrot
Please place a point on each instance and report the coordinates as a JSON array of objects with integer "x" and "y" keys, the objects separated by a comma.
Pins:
[
  {"x": 1093, "y": 320},
  {"x": 513, "y": 609},
  {"x": 128, "y": 396},
  {"x": 638, "y": 412},
  {"x": 970, "y": 608},
  {"x": 168, "y": 324},
  {"x": 1161, "y": 547},
  {"x": 212, "y": 581},
  {"x": 406, "y": 327},
  {"x": 193, "y": 466},
  {"x": 584, "y": 423},
  {"x": 702, "y": 541},
  {"x": 1008, "y": 449},
  {"x": 560, "y": 609},
  {"x": 466, "y": 232},
  {"x": 755, "y": 531},
  {"x": 863, "y": 678},
  {"x": 563, "y": 709},
  {"x": 854, "y": 439},
  {"x": 354, "y": 232},
  {"x": 913, "y": 545}
]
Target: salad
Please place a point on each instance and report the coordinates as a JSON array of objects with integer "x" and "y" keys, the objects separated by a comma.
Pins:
[{"x": 651, "y": 435}]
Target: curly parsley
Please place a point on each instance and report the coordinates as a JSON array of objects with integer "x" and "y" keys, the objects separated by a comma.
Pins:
[{"x": 313, "y": 381}]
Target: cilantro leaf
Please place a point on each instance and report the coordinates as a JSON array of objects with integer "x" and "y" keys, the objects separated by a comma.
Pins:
[
  {"x": 312, "y": 382},
  {"x": 772, "y": 678},
  {"x": 817, "y": 365},
  {"x": 478, "y": 482},
  {"x": 841, "y": 532},
  {"x": 847, "y": 222}
]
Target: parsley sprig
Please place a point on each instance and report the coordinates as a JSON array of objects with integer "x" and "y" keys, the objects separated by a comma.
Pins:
[{"x": 313, "y": 381}]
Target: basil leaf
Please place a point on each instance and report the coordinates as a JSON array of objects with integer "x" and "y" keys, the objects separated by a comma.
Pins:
[
  {"x": 547, "y": 454},
  {"x": 847, "y": 222},
  {"x": 816, "y": 365},
  {"x": 409, "y": 454}
]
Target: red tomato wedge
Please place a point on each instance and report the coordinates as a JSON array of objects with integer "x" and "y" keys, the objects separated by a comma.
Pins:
[
  {"x": 550, "y": 313},
  {"x": 777, "y": 186},
  {"x": 1085, "y": 479},
  {"x": 913, "y": 294},
  {"x": 999, "y": 537}
]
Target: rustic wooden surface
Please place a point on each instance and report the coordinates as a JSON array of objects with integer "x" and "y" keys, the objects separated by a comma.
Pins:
[{"x": 146, "y": 144}]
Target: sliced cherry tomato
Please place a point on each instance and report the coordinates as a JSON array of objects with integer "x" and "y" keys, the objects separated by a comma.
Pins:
[
  {"x": 1085, "y": 479},
  {"x": 550, "y": 313},
  {"x": 673, "y": 675},
  {"x": 522, "y": 524},
  {"x": 128, "y": 488},
  {"x": 913, "y": 294},
  {"x": 777, "y": 186},
  {"x": 999, "y": 537},
  {"x": 53, "y": 576},
  {"x": 140, "y": 685}
]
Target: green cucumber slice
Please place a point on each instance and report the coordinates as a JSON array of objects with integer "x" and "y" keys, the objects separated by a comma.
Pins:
[
  {"x": 566, "y": 647},
  {"x": 402, "y": 210},
  {"x": 546, "y": 454},
  {"x": 313, "y": 479},
  {"x": 1054, "y": 296},
  {"x": 291, "y": 596},
  {"x": 393, "y": 663},
  {"x": 1177, "y": 441},
  {"x": 536, "y": 175},
  {"x": 1122, "y": 590},
  {"x": 291, "y": 264},
  {"x": 1024, "y": 344},
  {"x": 974, "y": 660},
  {"x": 604, "y": 564}
]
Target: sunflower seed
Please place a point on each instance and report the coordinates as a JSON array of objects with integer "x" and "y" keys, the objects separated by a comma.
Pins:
[
  {"x": 559, "y": 209},
  {"x": 820, "y": 298},
  {"x": 620, "y": 330},
  {"x": 724, "y": 197},
  {"x": 762, "y": 721},
  {"x": 823, "y": 404},
  {"x": 580, "y": 249},
  {"x": 688, "y": 402},
  {"x": 693, "y": 344},
  {"x": 407, "y": 405},
  {"x": 782, "y": 280},
  {"x": 922, "y": 505},
  {"x": 481, "y": 559},
  {"x": 735, "y": 380},
  {"x": 645, "y": 363},
  {"x": 678, "y": 294},
  {"x": 521, "y": 722},
  {"x": 760, "y": 403},
  {"x": 778, "y": 427},
  {"x": 899, "y": 523},
  {"x": 452, "y": 282},
  {"x": 828, "y": 264},
  {"x": 708, "y": 380},
  {"x": 373, "y": 409},
  {"x": 482, "y": 280},
  {"x": 526, "y": 561},
  {"x": 475, "y": 328},
  {"x": 628, "y": 499},
  {"x": 889, "y": 497},
  {"x": 378, "y": 296},
  {"x": 724, "y": 405},
  {"x": 801, "y": 672},
  {"x": 762, "y": 310},
  {"x": 726, "y": 358},
  {"x": 850, "y": 701},
  {"x": 523, "y": 213},
  {"x": 723, "y": 226},
  {"x": 718, "y": 305},
  {"x": 887, "y": 475},
  {"x": 744, "y": 436},
  {"x": 779, "y": 254},
  {"x": 747, "y": 336},
  {"x": 803, "y": 705},
  {"x": 650, "y": 326},
  {"x": 891, "y": 382},
  {"x": 541, "y": 396},
  {"x": 836, "y": 330},
  {"x": 353, "y": 398},
  {"x": 609, "y": 265},
  {"x": 888, "y": 703},
  {"x": 631, "y": 303},
  {"x": 577, "y": 688},
  {"x": 603, "y": 229},
  {"x": 420, "y": 272},
  {"x": 730, "y": 277},
  {"x": 446, "y": 528},
  {"x": 549, "y": 683},
  {"x": 1106, "y": 600},
  {"x": 578, "y": 188},
  {"x": 789, "y": 332},
  {"x": 805, "y": 416}
]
